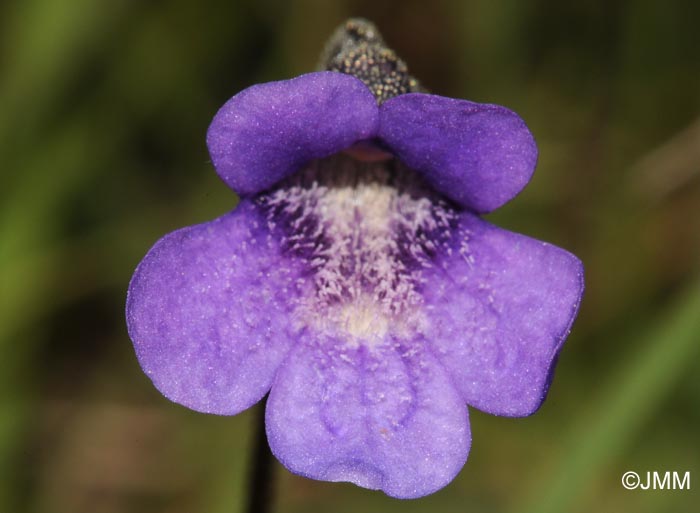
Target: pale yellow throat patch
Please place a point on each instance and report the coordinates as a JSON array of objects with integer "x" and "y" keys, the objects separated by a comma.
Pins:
[{"x": 359, "y": 318}]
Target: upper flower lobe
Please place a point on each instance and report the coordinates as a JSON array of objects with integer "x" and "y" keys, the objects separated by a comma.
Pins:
[
  {"x": 269, "y": 131},
  {"x": 367, "y": 296}
]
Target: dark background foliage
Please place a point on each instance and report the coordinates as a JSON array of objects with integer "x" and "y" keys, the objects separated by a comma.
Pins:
[{"x": 103, "y": 110}]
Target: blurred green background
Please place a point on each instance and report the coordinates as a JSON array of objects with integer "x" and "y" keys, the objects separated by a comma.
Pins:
[{"x": 104, "y": 107}]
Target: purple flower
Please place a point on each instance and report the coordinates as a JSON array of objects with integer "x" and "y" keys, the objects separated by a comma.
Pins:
[{"x": 356, "y": 282}]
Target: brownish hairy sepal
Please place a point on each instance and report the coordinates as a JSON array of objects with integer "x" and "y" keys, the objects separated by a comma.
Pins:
[{"x": 358, "y": 49}]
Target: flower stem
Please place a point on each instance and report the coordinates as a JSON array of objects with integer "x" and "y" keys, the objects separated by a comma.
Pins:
[{"x": 260, "y": 484}]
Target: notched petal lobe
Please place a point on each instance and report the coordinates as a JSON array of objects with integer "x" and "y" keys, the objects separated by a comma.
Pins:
[
  {"x": 499, "y": 307},
  {"x": 385, "y": 417},
  {"x": 208, "y": 311}
]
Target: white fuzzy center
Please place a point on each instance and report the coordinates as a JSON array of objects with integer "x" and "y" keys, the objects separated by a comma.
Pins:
[{"x": 366, "y": 231}]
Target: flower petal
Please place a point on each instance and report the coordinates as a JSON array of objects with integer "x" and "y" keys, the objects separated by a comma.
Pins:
[
  {"x": 268, "y": 131},
  {"x": 383, "y": 418},
  {"x": 499, "y": 308},
  {"x": 208, "y": 310},
  {"x": 478, "y": 155}
]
